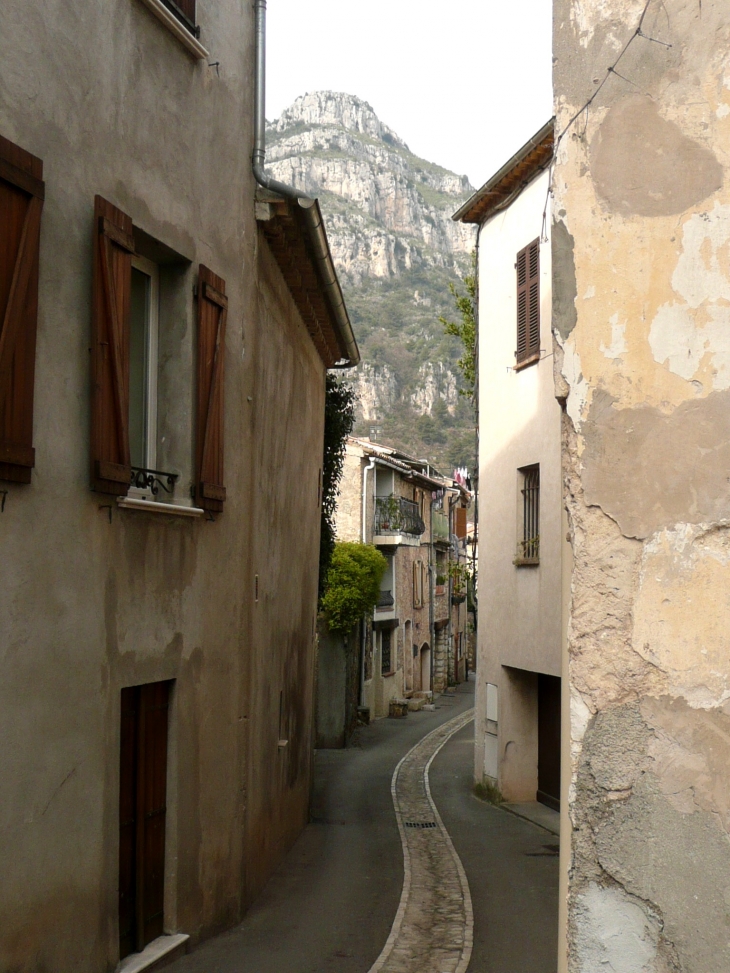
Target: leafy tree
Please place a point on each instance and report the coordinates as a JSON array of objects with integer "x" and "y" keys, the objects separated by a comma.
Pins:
[
  {"x": 466, "y": 329},
  {"x": 339, "y": 418},
  {"x": 353, "y": 584}
]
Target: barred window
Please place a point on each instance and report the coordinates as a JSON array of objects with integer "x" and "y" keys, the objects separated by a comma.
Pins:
[
  {"x": 528, "y": 545},
  {"x": 385, "y": 662}
]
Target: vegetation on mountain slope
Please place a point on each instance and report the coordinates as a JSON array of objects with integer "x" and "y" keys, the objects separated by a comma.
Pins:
[{"x": 397, "y": 251}]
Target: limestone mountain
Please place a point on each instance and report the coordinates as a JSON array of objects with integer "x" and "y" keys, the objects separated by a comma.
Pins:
[{"x": 388, "y": 219}]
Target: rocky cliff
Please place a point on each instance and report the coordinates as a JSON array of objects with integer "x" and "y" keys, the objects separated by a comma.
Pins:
[{"x": 388, "y": 217}]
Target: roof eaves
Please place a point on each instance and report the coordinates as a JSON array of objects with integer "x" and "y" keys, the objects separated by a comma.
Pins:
[
  {"x": 299, "y": 245},
  {"x": 534, "y": 156}
]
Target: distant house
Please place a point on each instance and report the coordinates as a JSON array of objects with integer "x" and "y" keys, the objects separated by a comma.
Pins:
[
  {"x": 521, "y": 539},
  {"x": 164, "y": 340},
  {"x": 415, "y": 642}
]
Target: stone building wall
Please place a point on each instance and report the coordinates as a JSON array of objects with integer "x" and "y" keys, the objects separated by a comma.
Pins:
[{"x": 641, "y": 237}]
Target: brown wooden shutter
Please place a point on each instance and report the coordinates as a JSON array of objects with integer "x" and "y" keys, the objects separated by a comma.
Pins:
[
  {"x": 528, "y": 302},
  {"x": 21, "y": 200},
  {"x": 113, "y": 249},
  {"x": 212, "y": 313},
  {"x": 460, "y": 522}
]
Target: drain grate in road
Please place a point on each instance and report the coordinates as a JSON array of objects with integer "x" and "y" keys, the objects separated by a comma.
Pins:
[{"x": 419, "y": 824}]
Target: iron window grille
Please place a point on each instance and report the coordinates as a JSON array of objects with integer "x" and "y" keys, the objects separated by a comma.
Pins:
[
  {"x": 385, "y": 642},
  {"x": 528, "y": 547}
]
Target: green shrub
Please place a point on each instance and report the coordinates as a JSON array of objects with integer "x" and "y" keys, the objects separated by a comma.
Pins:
[
  {"x": 339, "y": 416},
  {"x": 353, "y": 584}
]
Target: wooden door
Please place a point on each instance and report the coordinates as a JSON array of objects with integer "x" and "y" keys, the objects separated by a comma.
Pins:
[
  {"x": 548, "y": 740},
  {"x": 142, "y": 809}
]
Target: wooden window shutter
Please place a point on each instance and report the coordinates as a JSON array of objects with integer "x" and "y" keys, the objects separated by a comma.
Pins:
[
  {"x": 21, "y": 201},
  {"x": 528, "y": 303},
  {"x": 460, "y": 522},
  {"x": 113, "y": 249},
  {"x": 212, "y": 313}
]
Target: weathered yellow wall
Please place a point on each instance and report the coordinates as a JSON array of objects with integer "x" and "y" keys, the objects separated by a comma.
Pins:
[{"x": 641, "y": 248}]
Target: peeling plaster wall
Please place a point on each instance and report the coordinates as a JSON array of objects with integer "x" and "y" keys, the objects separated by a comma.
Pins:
[{"x": 641, "y": 324}]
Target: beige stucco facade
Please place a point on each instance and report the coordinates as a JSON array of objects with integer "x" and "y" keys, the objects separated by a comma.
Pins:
[
  {"x": 519, "y": 428},
  {"x": 641, "y": 322},
  {"x": 95, "y": 597}
]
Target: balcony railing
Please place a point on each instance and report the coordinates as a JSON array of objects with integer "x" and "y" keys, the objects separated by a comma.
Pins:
[
  {"x": 440, "y": 527},
  {"x": 395, "y": 515},
  {"x": 385, "y": 600}
]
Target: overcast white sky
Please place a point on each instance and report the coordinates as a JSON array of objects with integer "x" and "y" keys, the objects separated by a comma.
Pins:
[{"x": 464, "y": 82}]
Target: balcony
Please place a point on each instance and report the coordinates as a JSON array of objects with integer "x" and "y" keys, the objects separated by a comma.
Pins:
[
  {"x": 397, "y": 521},
  {"x": 440, "y": 527}
]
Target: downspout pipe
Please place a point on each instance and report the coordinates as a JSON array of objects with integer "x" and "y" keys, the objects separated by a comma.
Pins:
[{"x": 307, "y": 207}]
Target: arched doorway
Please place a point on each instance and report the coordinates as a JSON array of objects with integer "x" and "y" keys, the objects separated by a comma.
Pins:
[{"x": 425, "y": 667}]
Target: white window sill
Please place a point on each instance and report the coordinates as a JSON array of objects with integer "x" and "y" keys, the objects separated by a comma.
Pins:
[
  {"x": 175, "y": 27},
  {"x": 159, "y": 507}
]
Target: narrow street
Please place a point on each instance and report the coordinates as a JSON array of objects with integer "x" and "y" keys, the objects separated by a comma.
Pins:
[{"x": 338, "y": 902}]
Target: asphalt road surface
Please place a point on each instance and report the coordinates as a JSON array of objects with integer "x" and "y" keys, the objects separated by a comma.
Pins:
[{"x": 331, "y": 904}]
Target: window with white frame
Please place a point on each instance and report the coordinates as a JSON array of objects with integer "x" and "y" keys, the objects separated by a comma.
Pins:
[{"x": 143, "y": 353}]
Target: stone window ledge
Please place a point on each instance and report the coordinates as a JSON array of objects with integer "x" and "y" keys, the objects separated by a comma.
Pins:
[
  {"x": 175, "y": 27},
  {"x": 159, "y": 507}
]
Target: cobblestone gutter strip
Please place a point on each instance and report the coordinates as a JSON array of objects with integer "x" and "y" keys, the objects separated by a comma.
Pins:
[{"x": 433, "y": 930}]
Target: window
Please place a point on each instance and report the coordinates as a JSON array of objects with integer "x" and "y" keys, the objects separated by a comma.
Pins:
[
  {"x": 528, "y": 544},
  {"x": 178, "y": 16},
  {"x": 143, "y": 342},
  {"x": 385, "y": 653},
  {"x": 136, "y": 404},
  {"x": 21, "y": 201},
  {"x": 184, "y": 11},
  {"x": 528, "y": 305},
  {"x": 386, "y": 598}
]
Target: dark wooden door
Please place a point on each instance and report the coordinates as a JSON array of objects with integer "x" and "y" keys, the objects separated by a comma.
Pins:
[
  {"x": 142, "y": 808},
  {"x": 548, "y": 740}
]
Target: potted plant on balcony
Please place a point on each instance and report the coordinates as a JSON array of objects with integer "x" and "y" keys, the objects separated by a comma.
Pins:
[
  {"x": 440, "y": 584},
  {"x": 458, "y": 574},
  {"x": 388, "y": 511}
]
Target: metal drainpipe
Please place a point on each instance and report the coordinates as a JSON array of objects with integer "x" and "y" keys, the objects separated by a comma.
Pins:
[
  {"x": 370, "y": 466},
  {"x": 308, "y": 207}
]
